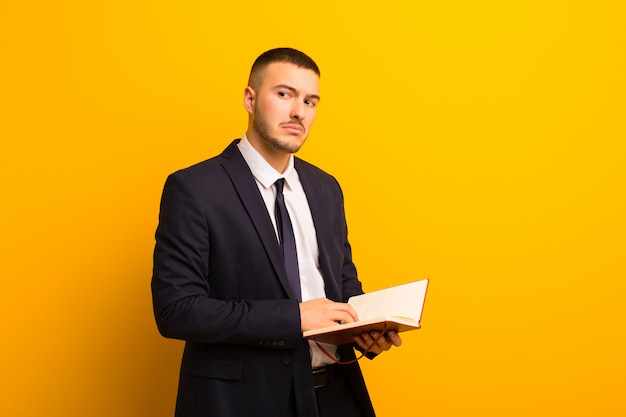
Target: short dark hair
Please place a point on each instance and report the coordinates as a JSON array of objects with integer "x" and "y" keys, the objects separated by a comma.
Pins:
[{"x": 289, "y": 55}]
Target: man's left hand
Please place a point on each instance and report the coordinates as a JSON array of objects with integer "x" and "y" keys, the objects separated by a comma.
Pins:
[{"x": 375, "y": 343}]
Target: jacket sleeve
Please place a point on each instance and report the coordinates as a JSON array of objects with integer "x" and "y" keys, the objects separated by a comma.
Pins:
[
  {"x": 180, "y": 286},
  {"x": 350, "y": 283}
]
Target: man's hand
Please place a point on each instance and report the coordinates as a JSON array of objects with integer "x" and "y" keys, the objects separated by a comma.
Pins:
[
  {"x": 375, "y": 343},
  {"x": 322, "y": 312}
]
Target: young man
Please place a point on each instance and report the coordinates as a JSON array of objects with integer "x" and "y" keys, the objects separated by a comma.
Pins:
[{"x": 240, "y": 277}]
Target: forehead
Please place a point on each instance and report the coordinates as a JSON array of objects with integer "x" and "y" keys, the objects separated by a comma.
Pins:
[{"x": 284, "y": 73}]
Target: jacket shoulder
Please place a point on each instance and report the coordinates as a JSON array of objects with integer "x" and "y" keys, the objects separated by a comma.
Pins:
[
  {"x": 209, "y": 167},
  {"x": 305, "y": 168}
]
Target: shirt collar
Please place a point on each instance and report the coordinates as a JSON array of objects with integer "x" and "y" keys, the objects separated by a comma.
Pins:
[{"x": 262, "y": 170}]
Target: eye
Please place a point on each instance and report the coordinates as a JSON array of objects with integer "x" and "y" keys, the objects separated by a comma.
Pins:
[
  {"x": 283, "y": 94},
  {"x": 310, "y": 103}
]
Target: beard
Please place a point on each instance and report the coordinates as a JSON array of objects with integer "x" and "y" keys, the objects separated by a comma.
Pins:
[{"x": 262, "y": 127}]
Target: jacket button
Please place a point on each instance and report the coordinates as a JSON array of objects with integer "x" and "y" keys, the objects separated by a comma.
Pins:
[
  {"x": 281, "y": 343},
  {"x": 286, "y": 360}
]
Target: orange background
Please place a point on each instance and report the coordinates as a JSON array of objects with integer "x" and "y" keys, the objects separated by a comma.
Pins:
[{"x": 480, "y": 144}]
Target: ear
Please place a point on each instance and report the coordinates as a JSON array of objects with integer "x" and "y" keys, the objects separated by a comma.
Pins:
[{"x": 249, "y": 97}]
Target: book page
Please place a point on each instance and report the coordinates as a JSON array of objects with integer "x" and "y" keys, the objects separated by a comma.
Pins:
[{"x": 406, "y": 301}]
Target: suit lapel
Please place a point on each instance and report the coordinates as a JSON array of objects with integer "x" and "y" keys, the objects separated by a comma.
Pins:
[
  {"x": 248, "y": 192},
  {"x": 319, "y": 198}
]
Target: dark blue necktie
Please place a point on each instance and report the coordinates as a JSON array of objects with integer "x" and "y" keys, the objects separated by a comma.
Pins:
[{"x": 287, "y": 240}]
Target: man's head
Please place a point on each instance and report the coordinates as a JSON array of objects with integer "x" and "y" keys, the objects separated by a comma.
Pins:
[
  {"x": 281, "y": 100},
  {"x": 286, "y": 55}
]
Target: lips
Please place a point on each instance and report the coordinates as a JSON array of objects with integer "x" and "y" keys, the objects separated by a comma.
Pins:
[{"x": 296, "y": 128}]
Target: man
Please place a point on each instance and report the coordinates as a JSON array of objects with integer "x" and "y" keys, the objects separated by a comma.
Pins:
[{"x": 226, "y": 250}]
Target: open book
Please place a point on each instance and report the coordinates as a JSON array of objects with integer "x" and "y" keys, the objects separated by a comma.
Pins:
[{"x": 396, "y": 308}]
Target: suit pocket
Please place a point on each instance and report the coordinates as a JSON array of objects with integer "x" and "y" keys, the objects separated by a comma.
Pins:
[{"x": 227, "y": 369}]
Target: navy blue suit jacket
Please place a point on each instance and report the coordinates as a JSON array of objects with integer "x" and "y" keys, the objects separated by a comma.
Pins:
[{"x": 219, "y": 284}]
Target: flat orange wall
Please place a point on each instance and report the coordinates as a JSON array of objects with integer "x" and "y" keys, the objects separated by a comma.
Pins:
[{"x": 480, "y": 144}]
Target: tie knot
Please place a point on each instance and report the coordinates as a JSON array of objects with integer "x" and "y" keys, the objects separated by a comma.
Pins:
[{"x": 280, "y": 183}]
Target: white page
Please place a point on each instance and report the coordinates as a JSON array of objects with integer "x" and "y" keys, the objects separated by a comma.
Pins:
[{"x": 406, "y": 300}]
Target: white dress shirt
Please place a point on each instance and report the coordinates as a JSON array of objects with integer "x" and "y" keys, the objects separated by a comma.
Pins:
[{"x": 311, "y": 280}]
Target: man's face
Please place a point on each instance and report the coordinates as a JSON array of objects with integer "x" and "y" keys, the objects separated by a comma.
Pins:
[{"x": 282, "y": 107}]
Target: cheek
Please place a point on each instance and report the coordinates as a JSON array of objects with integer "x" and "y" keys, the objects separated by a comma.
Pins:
[{"x": 276, "y": 109}]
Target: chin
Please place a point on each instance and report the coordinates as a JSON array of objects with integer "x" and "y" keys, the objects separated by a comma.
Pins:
[{"x": 289, "y": 145}]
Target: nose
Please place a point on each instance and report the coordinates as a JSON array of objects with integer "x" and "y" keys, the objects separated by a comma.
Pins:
[{"x": 297, "y": 111}]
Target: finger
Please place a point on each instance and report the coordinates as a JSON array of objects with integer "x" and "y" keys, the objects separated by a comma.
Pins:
[
  {"x": 366, "y": 343},
  {"x": 341, "y": 317},
  {"x": 383, "y": 344},
  {"x": 345, "y": 313},
  {"x": 347, "y": 308},
  {"x": 394, "y": 338},
  {"x": 362, "y": 343},
  {"x": 376, "y": 342},
  {"x": 380, "y": 341}
]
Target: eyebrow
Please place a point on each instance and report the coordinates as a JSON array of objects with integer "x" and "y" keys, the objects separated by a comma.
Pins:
[{"x": 295, "y": 90}]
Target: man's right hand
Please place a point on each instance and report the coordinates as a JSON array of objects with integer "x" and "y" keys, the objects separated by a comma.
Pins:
[{"x": 322, "y": 312}]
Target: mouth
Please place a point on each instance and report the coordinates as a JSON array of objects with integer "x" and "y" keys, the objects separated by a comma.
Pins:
[{"x": 294, "y": 127}]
